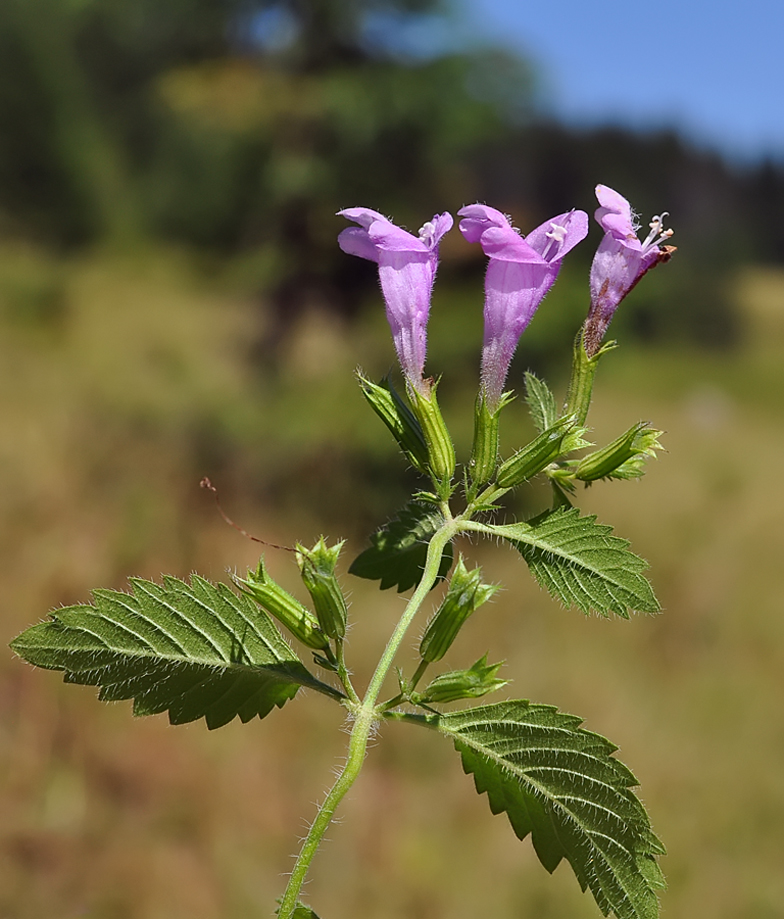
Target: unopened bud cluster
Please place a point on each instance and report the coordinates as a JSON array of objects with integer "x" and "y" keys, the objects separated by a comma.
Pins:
[
  {"x": 623, "y": 458},
  {"x": 546, "y": 448},
  {"x": 317, "y": 568}
]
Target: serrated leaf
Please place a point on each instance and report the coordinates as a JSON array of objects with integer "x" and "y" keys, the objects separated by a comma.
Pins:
[
  {"x": 541, "y": 402},
  {"x": 398, "y": 551},
  {"x": 580, "y": 563},
  {"x": 193, "y": 650},
  {"x": 562, "y": 785}
]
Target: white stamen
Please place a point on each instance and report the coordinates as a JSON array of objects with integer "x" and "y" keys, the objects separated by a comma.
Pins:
[
  {"x": 556, "y": 234},
  {"x": 427, "y": 233},
  {"x": 658, "y": 234}
]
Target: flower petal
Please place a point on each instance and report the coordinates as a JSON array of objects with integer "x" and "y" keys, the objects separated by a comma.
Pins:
[
  {"x": 406, "y": 269},
  {"x": 394, "y": 239},
  {"x": 364, "y": 216},
  {"x": 496, "y": 235},
  {"x": 574, "y": 226},
  {"x": 477, "y": 218},
  {"x": 615, "y": 215},
  {"x": 434, "y": 229},
  {"x": 355, "y": 241}
]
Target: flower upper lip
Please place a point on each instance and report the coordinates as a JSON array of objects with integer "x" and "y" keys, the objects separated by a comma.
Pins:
[
  {"x": 375, "y": 232},
  {"x": 500, "y": 240},
  {"x": 615, "y": 216}
]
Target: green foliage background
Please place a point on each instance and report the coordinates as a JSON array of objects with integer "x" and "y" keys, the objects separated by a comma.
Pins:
[{"x": 188, "y": 328}]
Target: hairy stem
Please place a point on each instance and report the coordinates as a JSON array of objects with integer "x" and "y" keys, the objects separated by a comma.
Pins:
[
  {"x": 434, "y": 552},
  {"x": 356, "y": 755},
  {"x": 343, "y": 674},
  {"x": 366, "y": 715}
]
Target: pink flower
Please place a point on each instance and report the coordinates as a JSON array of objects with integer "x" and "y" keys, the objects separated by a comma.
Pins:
[
  {"x": 520, "y": 272},
  {"x": 620, "y": 261},
  {"x": 406, "y": 269}
]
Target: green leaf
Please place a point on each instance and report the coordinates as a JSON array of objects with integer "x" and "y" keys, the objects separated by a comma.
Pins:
[
  {"x": 541, "y": 402},
  {"x": 300, "y": 912},
  {"x": 195, "y": 650},
  {"x": 304, "y": 912},
  {"x": 562, "y": 785},
  {"x": 580, "y": 563},
  {"x": 398, "y": 551}
]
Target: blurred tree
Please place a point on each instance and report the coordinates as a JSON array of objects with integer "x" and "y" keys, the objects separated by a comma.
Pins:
[
  {"x": 240, "y": 125},
  {"x": 75, "y": 77}
]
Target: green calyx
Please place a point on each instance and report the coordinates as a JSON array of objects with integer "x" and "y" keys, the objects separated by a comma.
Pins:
[
  {"x": 386, "y": 402},
  {"x": 562, "y": 438},
  {"x": 484, "y": 454},
  {"x": 466, "y": 593},
  {"x": 624, "y": 458},
  {"x": 440, "y": 449},
  {"x": 473, "y": 683},
  {"x": 317, "y": 567},
  {"x": 578, "y": 395},
  {"x": 279, "y": 603}
]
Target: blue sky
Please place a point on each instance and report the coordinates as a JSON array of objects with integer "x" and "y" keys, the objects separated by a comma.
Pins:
[{"x": 715, "y": 70}]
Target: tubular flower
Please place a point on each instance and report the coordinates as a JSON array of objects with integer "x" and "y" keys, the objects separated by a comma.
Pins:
[
  {"x": 406, "y": 269},
  {"x": 520, "y": 273},
  {"x": 620, "y": 261}
]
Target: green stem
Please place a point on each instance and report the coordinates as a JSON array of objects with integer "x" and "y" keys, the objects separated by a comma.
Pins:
[
  {"x": 343, "y": 673},
  {"x": 356, "y": 756},
  {"x": 490, "y": 494},
  {"x": 366, "y": 715},
  {"x": 420, "y": 672},
  {"x": 403, "y": 697},
  {"x": 433, "y": 563}
]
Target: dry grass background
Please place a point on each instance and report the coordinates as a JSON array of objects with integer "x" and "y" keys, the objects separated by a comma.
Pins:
[{"x": 122, "y": 382}]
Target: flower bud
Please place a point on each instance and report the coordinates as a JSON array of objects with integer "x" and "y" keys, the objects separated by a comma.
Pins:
[
  {"x": 317, "y": 566},
  {"x": 440, "y": 449},
  {"x": 466, "y": 593},
  {"x": 397, "y": 416},
  {"x": 477, "y": 681},
  {"x": 623, "y": 458},
  {"x": 557, "y": 440},
  {"x": 272, "y": 598}
]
